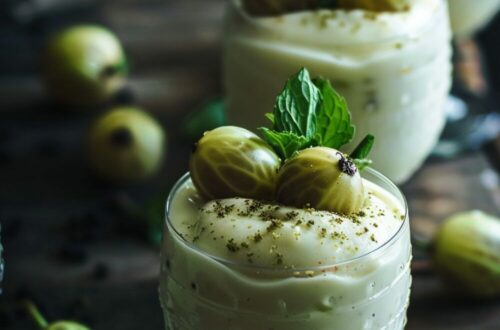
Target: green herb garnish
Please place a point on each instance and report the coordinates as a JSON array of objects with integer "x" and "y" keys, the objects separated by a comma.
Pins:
[
  {"x": 285, "y": 144},
  {"x": 334, "y": 128},
  {"x": 310, "y": 113}
]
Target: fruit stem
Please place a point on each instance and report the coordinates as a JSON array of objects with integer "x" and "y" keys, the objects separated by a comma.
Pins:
[{"x": 36, "y": 315}]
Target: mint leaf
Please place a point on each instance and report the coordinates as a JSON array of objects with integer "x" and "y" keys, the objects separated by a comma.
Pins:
[
  {"x": 270, "y": 116},
  {"x": 311, "y": 113},
  {"x": 333, "y": 119},
  {"x": 296, "y": 106},
  {"x": 363, "y": 148},
  {"x": 285, "y": 144}
]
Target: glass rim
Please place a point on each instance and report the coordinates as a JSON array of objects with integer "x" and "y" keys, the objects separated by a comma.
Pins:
[
  {"x": 392, "y": 239},
  {"x": 254, "y": 22}
]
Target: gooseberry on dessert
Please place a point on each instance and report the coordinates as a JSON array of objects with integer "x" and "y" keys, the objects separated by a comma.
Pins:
[
  {"x": 321, "y": 178},
  {"x": 231, "y": 161},
  {"x": 297, "y": 163}
]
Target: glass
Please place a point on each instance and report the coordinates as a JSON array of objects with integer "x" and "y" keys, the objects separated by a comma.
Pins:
[
  {"x": 200, "y": 291},
  {"x": 394, "y": 71}
]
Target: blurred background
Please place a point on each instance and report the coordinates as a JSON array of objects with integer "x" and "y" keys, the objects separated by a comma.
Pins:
[{"x": 85, "y": 246}]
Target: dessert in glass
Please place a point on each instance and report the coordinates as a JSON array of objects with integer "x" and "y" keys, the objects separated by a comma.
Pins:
[
  {"x": 257, "y": 238},
  {"x": 392, "y": 65}
]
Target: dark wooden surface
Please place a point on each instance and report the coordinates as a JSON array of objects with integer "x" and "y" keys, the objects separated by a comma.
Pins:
[{"x": 70, "y": 242}]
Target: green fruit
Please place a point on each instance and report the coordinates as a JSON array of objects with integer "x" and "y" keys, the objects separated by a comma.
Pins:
[
  {"x": 321, "y": 178},
  {"x": 66, "y": 325},
  {"x": 231, "y": 161},
  {"x": 467, "y": 253},
  {"x": 42, "y": 323},
  {"x": 84, "y": 65},
  {"x": 126, "y": 145}
]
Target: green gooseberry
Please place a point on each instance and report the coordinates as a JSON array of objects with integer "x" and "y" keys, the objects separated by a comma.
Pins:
[
  {"x": 84, "y": 65},
  {"x": 231, "y": 161},
  {"x": 467, "y": 253},
  {"x": 321, "y": 178},
  {"x": 126, "y": 145}
]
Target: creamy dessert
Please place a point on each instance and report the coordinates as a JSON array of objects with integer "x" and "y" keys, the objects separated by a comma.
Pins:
[
  {"x": 467, "y": 16},
  {"x": 393, "y": 67},
  {"x": 224, "y": 266},
  {"x": 286, "y": 232}
]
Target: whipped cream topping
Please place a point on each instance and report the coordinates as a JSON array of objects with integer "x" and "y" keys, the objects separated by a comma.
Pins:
[{"x": 251, "y": 232}]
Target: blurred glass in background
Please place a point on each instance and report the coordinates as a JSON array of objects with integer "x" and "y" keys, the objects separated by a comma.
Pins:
[{"x": 472, "y": 113}]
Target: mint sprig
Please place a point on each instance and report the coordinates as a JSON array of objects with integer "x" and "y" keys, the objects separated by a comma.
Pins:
[
  {"x": 296, "y": 107},
  {"x": 311, "y": 113},
  {"x": 285, "y": 144},
  {"x": 333, "y": 126}
]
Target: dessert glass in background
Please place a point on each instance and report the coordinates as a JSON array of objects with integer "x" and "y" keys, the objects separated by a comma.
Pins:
[
  {"x": 364, "y": 288},
  {"x": 393, "y": 68},
  {"x": 470, "y": 119}
]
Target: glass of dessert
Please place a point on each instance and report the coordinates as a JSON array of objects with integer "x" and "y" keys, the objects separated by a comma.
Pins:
[
  {"x": 286, "y": 232},
  {"x": 391, "y": 59}
]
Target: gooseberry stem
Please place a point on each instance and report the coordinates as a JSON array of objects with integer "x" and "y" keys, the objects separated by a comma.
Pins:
[{"x": 36, "y": 315}]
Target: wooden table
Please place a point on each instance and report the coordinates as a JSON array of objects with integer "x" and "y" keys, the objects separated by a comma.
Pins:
[{"x": 70, "y": 242}]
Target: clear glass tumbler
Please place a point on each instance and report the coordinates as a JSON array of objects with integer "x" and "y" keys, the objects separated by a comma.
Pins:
[{"x": 201, "y": 291}]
